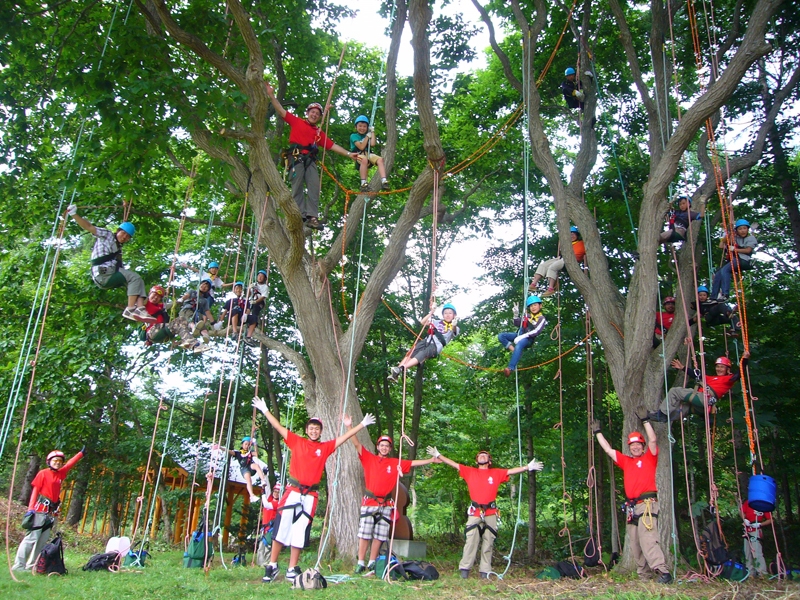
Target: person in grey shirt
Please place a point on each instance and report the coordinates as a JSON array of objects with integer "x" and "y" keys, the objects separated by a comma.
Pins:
[{"x": 742, "y": 251}]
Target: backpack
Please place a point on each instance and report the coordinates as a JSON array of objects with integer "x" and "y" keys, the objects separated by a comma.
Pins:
[
  {"x": 51, "y": 559},
  {"x": 734, "y": 571},
  {"x": 415, "y": 570},
  {"x": 567, "y": 569},
  {"x": 310, "y": 579},
  {"x": 263, "y": 551},
  {"x": 591, "y": 557},
  {"x": 200, "y": 551},
  {"x": 105, "y": 561},
  {"x": 712, "y": 547}
]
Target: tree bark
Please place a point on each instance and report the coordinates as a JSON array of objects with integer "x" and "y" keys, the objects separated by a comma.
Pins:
[
  {"x": 26, "y": 490},
  {"x": 82, "y": 473}
]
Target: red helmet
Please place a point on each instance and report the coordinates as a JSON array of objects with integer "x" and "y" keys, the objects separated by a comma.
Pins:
[
  {"x": 316, "y": 105},
  {"x": 385, "y": 438},
  {"x": 635, "y": 437},
  {"x": 723, "y": 360},
  {"x": 277, "y": 486},
  {"x": 158, "y": 289},
  {"x": 486, "y": 452},
  {"x": 669, "y": 299},
  {"x": 54, "y": 454}
]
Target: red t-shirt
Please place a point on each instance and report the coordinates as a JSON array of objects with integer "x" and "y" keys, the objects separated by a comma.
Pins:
[
  {"x": 268, "y": 511},
  {"x": 308, "y": 458},
  {"x": 640, "y": 473},
  {"x": 754, "y": 517},
  {"x": 303, "y": 133},
  {"x": 722, "y": 384},
  {"x": 664, "y": 321},
  {"x": 48, "y": 482},
  {"x": 483, "y": 484},
  {"x": 380, "y": 474}
]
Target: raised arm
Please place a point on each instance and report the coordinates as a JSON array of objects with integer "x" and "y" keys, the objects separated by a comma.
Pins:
[
  {"x": 422, "y": 462},
  {"x": 72, "y": 211},
  {"x": 262, "y": 406},
  {"x": 601, "y": 439},
  {"x": 348, "y": 422},
  {"x": 438, "y": 457},
  {"x": 652, "y": 440},
  {"x": 275, "y": 103},
  {"x": 534, "y": 465},
  {"x": 369, "y": 419}
]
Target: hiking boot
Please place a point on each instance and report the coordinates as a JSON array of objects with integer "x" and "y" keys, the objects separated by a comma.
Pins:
[
  {"x": 507, "y": 372},
  {"x": 200, "y": 348},
  {"x": 483, "y": 575},
  {"x": 270, "y": 574},
  {"x": 360, "y": 570},
  {"x": 550, "y": 291},
  {"x": 314, "y": 223},
  {"x": 292, "y": 574},
  {"x": 129, "y": 313},
  {"x": 394, "y": 374},
  {"x": 664, "y": 578},
  {"x": 464, "y": 573}
]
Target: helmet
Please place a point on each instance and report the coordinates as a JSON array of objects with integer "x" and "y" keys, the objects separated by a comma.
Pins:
[
  {"x": 573, "y": 229},
  {"x": 128, "y": 228},
  {"x": 262, "y": 272},
  {"x": 533, "y": 300},
  {"x": 738, "y": 223},
  {"x": 239, "y": 284},
  {"x": 486, "y": 452},
  {"x": 569, "y": 71},
  {"x": 450, "y": 306},
  {"x": 702, "y": 288},
  {"x": 385, "y": 438},
  {"x": 54, "y": 454},
  {"x": 635, "y": 437},
  {"x": 723, "y": 360},
  {"x": 246, "y": 439},
  {"x": 277, "y": 486},
  {"x": 669, "y": 300},
  {"x": 208, "y": 281},
  {"x": 316, "y": 105},
  {"x": 213, "y": 265},
  {"x": 362, "y": 119},
  {"x": 316, "y": 420},
  {"x": 157, "y": 289}
]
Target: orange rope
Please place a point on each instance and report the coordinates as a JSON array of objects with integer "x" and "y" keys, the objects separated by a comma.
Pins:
[{"x": 558, "y": 44}]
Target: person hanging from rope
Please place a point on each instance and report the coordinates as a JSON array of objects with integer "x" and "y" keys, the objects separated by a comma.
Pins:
[
  {"x": 550, "y": 268},
  {"x": 235, "y": 310},
  {"x": 529, "y": 327},
  {"x": 196, "y": 309},
  {"x": 715, "y": 313},
  {"x": 305, "y": 138},
  {"x": 248, "y": 465},
  {"x": 682, "y": 401},
  {"x": 363, "y": 143},
  {"x": 381, "y": 473},
  {"x": 269, "y": 511},
  {"x": 573, "y": 95},
  {"x": 440, "y": 333},
  {"x": 212, "y": 274},
  {"x": 257, "y": 297},
  {"x": 164, "y": 329},
  {"x": 641, "y": 507},
  {"x": 299, "y": 501},
  {"x": 664, "y": 320},
  {"x": 40, "y": 519},
  {"x": 678, "y": 221},
  {"x": 754, "y": 522},
  {"x": 483, "y": 482},
  {"x": 107, "y": 267},
  {"x": 741, "y": 252}
]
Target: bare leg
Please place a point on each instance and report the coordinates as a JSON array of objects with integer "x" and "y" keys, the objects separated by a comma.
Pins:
[
  {"x": 276, "y": 551},
  {"x": 363, "y": 167},
  {"x": 381, "y": 168},
  {"x": 294, "y": 556},
  {"x": 362, "y": 548},
  {"x": 536, "y": 279},
  {"x": 376, "y": 548},
  {"x": 407, "y": 363}
]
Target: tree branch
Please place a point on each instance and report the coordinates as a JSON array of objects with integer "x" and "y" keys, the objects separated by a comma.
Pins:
[
  {"x": 502, "y": 57},
  {"x": 289, "y": 354}
]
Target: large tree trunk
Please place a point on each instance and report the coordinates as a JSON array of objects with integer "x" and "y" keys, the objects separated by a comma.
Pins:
[
  {"x": 82, "y": 473},
  {"x": 33, "y": 468}
]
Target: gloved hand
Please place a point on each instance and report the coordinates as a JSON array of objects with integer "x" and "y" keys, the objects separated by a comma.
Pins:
[
  {"x": 218, "y": 325},
  {"x": 433, "y": 452},
  {"x": 579, "y": 95},
  {"x": 369, "y": 419},
  {"x": 747, "y": 522},
  {"x": 72, "y": 210},
  {"x": 535, "y": 465},
  {"x": 755, "y": 525},
  {"x": 642, "y": 413},
  {"x": 595, "y": 426},
  {"x": 83, "y": 450},
  {"x": 515, "y": 310},
  {"x": 259, "y": 404},
  {"x": 519, "y": 338}
]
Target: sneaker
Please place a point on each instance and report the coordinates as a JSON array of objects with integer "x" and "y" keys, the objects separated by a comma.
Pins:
[
  {"x": 483, "y": 575},
  {"x": 142, "y": 315},
  {"x": 732, "y": 332},
  {"x": 722, "y": 297},
  {"x": 293, "y": 573},
  {"x": 314, "y": 223},
  {"x": 270, "y": 574},
  {"x": 200, "y": 348},
  {"x": 464, "y": 573},
  {"x": 664, "y": 578},
  {"x": 384, "y": 185},
  {"x": 550, "y": 291},
  {"x": 589, "y": 74},
  {"x": 364, "y": 186},
  {"x": 360, "y": 570},
  {"x": 250, "y": 341},
  {"x": 129, "y": 313},
  {"x": 394, "y": 374},
  {"x": 206, "y": 337},
  {"x": 254, "y": 498}
]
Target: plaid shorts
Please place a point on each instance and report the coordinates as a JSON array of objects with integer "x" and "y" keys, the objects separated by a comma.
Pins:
[{"x": 372, "y": 527}]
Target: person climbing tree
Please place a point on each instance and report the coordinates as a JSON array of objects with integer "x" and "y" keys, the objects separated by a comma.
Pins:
[
  {"x": 482, "y": 482},
  {"x": 569, "y": 87},
  {"x": 741, "y": 250},
  {"x": 381, "y": 473},
  {"x": 246, "y": 457},
  {"x": 550, "y": 268},
  {"x": 257, "y": 297},
  {"x": 529, "y": 327},
  {"x": 212, "y": 274},
  {"x": 43, "y": 507},
  {"x": 305, "y": 137},
  {"x": 682, "y": 401},
  {"x": 196, "y": 308},
  {"x": 164, "y": 329},
  {"x": 664, "y": 320},
  {"x": 299, "y": 501},
  {"x": 715, "y": 313},
  {"x": 440, "y": 333},
  {"x": 234, "y": 310},
  {"x": 679, "y": 221},
  {"x": 107, "y": 267},
  {"x": 641, "y": 507},
  {"x": 363, "y": 144},
  {"x": 754, "y": 522}
]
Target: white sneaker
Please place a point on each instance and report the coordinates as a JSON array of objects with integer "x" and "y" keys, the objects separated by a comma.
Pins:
[
  {"x": 129, "y": 313},
  {"x": 142, "y": 315},
  {"x": 189, "y": 344}
]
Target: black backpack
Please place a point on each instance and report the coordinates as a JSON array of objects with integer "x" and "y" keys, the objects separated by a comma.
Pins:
[
  {"x": 103, "y": 562},
  {"x": 591, "y": 557},
  {"x": 415, "y": 570},
  {"x": 712, "y": 547},
  {"x": 51, "y": 559},
  {"x": 569, "y": 570}
]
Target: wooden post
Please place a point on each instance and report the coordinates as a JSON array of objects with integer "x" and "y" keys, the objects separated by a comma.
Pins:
[
  {"x": 66, "y": 497},
  {"x": 94, "y": 513},
  {"x": 156, "y": 517},
  {"x": 124, "y": 515},
  {"x": 228, "y": 516},
  {"x": 85, "y": 513}
]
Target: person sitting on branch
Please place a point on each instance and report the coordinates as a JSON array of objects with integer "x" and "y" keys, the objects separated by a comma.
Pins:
[
  {"x": 378, "y": 512},
  {"x": 299, "y": 501},
  {"x": 530, "y": 326},
  {"x": 482, "y": 483},
  {"x": 257, "y": 295},
  {"x": 440, "y": 333},
  {"x": 682, "y": 401},
  {"x": 43, "y": 507},
  {"x": 196, "y": 308},
  {"x": 551, "y": 267},
  {"x": 679, "y": 221},
  {"x": 235, "y": 309},
  {"x": 305, "y": 137},
  {"x": 715, "y": 313},
  {"x": 569, "y": 87},
  {"x": 212, "y": 274},
  {"x": 246, "y": 457},
  {"x": 742, "y": 252},
  {"x": 107, "y": 267},
  {"x": 164, "y": 329},
  {"x": 641, "y": 507},
  {"x": 363, "y": 144}
]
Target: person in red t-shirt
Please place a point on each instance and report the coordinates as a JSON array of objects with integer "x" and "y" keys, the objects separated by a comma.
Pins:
[
  {"x": 165, "y": 329},
  {"x": 305, "y": 136},
  {"x": 639, "y": 480},
  {"x": 43, "y": 507},
  {"x": 269, "y": 509},
  {"x": 482, "y": 483},
  {"x": 381, "y": 473},
  {"x": 664, "y": 320},
  {"x": 296, "y": 508},
  {"x": 753, "y": 522}
]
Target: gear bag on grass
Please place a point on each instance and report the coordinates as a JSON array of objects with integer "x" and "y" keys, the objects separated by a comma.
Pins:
[
  {"x": 104, "y": 561},
  {"x": 420, "y": 571},
  {"x": 712, "y": 546},
  {"x": 200, "y": 551},
  {"x": 310, "y": 579},
  {"x": 734, "y": 571},
  {"x": 51, "y": 558},
  {"x": 567, "y": 569}
]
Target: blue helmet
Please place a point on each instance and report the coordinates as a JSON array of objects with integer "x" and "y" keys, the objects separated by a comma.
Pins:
[
  {"x": 738, "y": 223},
  {"x": 362, "y": 119},
  {"x": 208, "y": 281},
  {"x": 573, "y": 229},
  {"x": 262, "y": 272},
  {"x": 238, "y": 284},
  {"x": 246, "y": 439},
  {"x": 213, "y": 265},
  {"x": 569, "y": 71},
  {"x": 533, "y": 300},
  {"x": 702, "y": 288},
  {"x": 128, "y": 228},
  {"x": 450, "y": 306}
]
